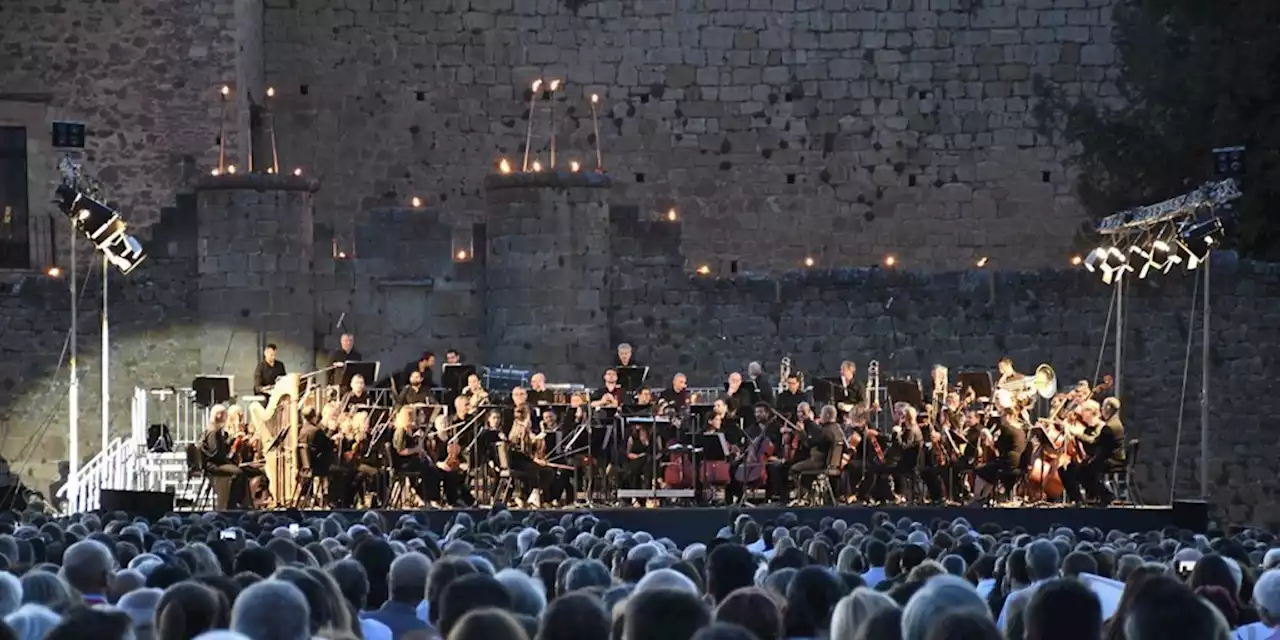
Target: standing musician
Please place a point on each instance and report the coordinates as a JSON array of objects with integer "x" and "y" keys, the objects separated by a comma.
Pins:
[
  {"x": 215, "y": 448},
  {"x": 422, "y": 366},
  {"x": 738, "y": 398},
  {"x": 539, "y": 394},
  {"x": 414, "y": 452},
  {"x": 789, "y": 399},
  {"x": 906, "y": 447},
  {"x": 638, "y": 467},
  {"x": 625, "y": 357},
  {"x": 820, "y": 443},
  {"x": 314, "y": 451},
  {"x": 268, "y": 371},
  {"x": 677, "y": 397},
  {"x": 357, "y": 397},
  {"x": 416, "y": 392},
  {"x": 756, "y": 375},
  {"x": 1103, "y": 438},
  {"x": 1004, "y": 441},
  {"x": 850, "y": 392},
  {"x": 611, "y": 395},
  {"x": 1008, "y": 374},
  {"x": 340, "y": 357},
  {"x": 475, "y": 394}
]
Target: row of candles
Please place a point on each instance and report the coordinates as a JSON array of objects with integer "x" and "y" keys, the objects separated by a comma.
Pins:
[
  {"x": 230, "y": 169},
  {"x": 536, "y": 93}
]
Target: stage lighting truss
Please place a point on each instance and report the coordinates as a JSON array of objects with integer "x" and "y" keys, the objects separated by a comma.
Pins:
[{"x": 102, "y": 225}]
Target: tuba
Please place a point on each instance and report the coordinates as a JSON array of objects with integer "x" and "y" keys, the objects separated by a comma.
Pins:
[{"x": 1045, "y": 382}]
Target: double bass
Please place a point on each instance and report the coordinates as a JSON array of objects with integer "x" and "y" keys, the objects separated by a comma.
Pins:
[{"x": 753, "y": 470}]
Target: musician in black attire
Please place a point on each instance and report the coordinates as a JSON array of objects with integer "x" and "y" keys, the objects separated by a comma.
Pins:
[
  {"x": 1103, "y": 441},
  {"x": 756, "y": 376},
  {"x": 411, "y": 455},
  {"x": 907, "y": 447},
  {"x": 752, "y": 461},
  {"x": 554, "y": 444},
  {"x": 416, "y": 392},
  {"x": 848, "y": 390},
  {"x": 625, "y": 357},
  {"x": 314, "y": 453},
  {"x": 821, "y": 442},
  {"x": 423, "y": 366},
  {"x": 777, "y": 465},
  {"x": 539, "y": 394},
  {"x": 934, "y": 463},
  {"x": 268, "y": 371},
  {"x": 1010, "y": 442},
  {"x": 791, "y": 398},
  {"x": 677, "y": 397},
  {"x": 739, "y": 398},
  {"x": 357, "y": 397},
  {"x": 638, "y": 468},
  {"x": 341, "y": 356},
  {"x": 611, "y": 395},
  {"x": 215, "y": 448}
]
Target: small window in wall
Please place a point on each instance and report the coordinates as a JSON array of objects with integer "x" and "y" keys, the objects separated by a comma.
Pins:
[{"x": 15, "y": 238}]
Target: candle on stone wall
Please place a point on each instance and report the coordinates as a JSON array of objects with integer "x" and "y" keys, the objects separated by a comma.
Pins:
[
  {"x": 890, "y": 261},
  {"x": 537, "y": 166},
  {"x": 275, "y": 155},
  {"x": 528, "y": 136},
  {"x": 504, "y": 167},
  {"x": 704, "y": 270},
  {"x": 574, "y": 166},
  {"x": 416, "y": 202},
  {"x": 808, "y": 262},
  {"x": 595, "y": 124},
  {"x": 671, "y": 215},
  {"x": 555, "y": 85}
]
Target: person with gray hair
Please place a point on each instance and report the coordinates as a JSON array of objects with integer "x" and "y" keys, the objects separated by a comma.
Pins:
[
  {"x": 666, "y": 579},
  {"x": 87, "y": 567},
  {"x": 10, "y": 593},
  {"x": 587, "y": 573},
  {"x": 939, "y": 596},
  {"x": 1266, "y": 600},
  {"x": 406, "y": 586},
  {"x": 272, "y": 610},
  {"x": 528, "y": 596},
  {"x": 140, "y": 605},
  {"x": 46, "y": 589},
  {"x": 855, "y": 609},
  {"x": 1042, "y": 565},
  {"x": 32, "y": 622}
]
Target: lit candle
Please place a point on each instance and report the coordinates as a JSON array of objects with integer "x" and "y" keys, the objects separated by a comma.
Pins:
[
  {"x": 231, "y": 169},
  {"x": 595, "y": 124},
  {"x": 504, "y": 167},
  {"x": 808, "y": 262},
  {"x": 537, "y": 166},
  {"x": 671, "y": 215},
  {"x": 704, "y": 270},
  {"x": 889, "y": 261},
  {"x": 222, "y": 130},
  {"x": 555, "y": 85},
  {"x": 275, "y": 155},
  {"x": 574, "y": 166},
  {"x": 528, "y": 136},
  {"x": 417, "y": 202},
  {"x": 298, "y": 171}
]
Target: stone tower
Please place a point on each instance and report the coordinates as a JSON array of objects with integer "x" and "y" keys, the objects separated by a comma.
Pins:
[
  {"x": 546, "y": 273},
  {"x": 256, "y": 248}
]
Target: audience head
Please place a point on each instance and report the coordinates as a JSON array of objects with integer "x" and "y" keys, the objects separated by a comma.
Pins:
[
  {"x": 272, "y": 610},
  {"x": 1063, "y": 609},
  {"x": 938, "y": 596},
  {"x": 755, "y": 610},
  {"x": 575, "y": 616},
  {"x": 466, "y": 594},
  {"x": 664, "y": 614},
  {"x": 855, "y": 609},
  {"x": 1167, "y": 608}
]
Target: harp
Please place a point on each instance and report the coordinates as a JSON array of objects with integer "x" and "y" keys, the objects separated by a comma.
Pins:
[{"x": 276, "y": 425}]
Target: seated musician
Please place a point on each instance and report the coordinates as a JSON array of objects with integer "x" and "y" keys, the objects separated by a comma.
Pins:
[
  {"x": 752, "y": 458},
  {"x": 551, "y": 449},
  {"x": 357, "y": 398},
  {"x": 610, "y": 396},
  {"x": 474, "y": 393},
  {"x": 453, "y": 475},
  {"x": 790, "y": 398},
  {"x": 248, "y": 453},
  {"x": 643, "y": 404},
  {"x": 423, "y": 367},
  {"x": 726, "y": 420},
  {"x": 779, "y": 435},
  {"x": 215, "y": 448},
  {"x": 539, "y": 394},
  {"x": 523, "y": 453},
  {"x": 1103, "y": 439},
  {"x": 820, "y": 444},
  {"x": 520, "y": 398},
  {"x": 677, "y": 397},
  {"x": 638, "y": 468},
  {"x": 849, "y": 392},
  {"x": 1008, "y": 375},
  {"x": 268, "y": 371},
  {"x": 1003, "y": 444},
  {"x": 412, "y": 453},
  {"x": 416, "y": 392}
]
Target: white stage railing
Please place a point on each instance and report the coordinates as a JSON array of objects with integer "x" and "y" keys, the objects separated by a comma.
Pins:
[{"x": 116, "y": 467}]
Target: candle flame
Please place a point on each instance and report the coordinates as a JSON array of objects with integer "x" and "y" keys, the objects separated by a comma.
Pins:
[
  {"x": 1077, "y": 260},
  {"x": 271, "y": 92},
  {"x": 298, "y": 171},
  {"x": 595, "y": 98},
  {"x": 982, "y": 262},
  {"x": 671, "y": 215},
  {"x": 231, "y": 169},
  {"x": 417, "y": 202},
  {"x": 537, "y": 166},
  {"x": 574, "y": 166},
  {"x": 808, "y": 262},
  {"x": 704, "y": 270},
  {"x": 462, "y": 254},
  {"x": 537, "y": 84},
  {"x": 271, "y": 171},
  {"x": 889, "y": 261},
  {"x": 342, "y": 255},
  {"x": 226, "y": 91},
  {"x": 555, "y": 85},
  {"x": 215, "y": 172},
  {"x": 54, "y": 272},
  {"x": 504, "y": 167}
]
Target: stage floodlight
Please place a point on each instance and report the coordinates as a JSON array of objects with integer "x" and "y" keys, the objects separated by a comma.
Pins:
[
  {"x": 1114, "y": 265},
  {"x": 125, "y": 253},
  {"x": 1095, "y": 257},
  {"x": 1208, "y": 231},
  {"x": 101, "y": 224}
]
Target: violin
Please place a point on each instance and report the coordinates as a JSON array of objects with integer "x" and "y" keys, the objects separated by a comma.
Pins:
[{"x": 453, "y": 458}]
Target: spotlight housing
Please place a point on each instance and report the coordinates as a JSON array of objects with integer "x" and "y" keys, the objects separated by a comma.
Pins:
[{"x": 101, "y": 224}]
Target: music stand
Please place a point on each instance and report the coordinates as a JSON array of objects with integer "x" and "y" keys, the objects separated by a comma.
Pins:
[
  {"x": 453, "y": 377},
  {"x": 367, "y": 369},
  {"x": 824, "y": 389},
  {"x": 907, "y": 391},
  {"x": 211, "y": 390},
  {"x": 979, "y": 381},
  {"x": 631, "y": 378}
]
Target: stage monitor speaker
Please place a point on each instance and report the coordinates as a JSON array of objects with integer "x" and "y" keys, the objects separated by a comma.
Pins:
[
  {"x": 151, "y": 505},
  {"x": 211, "y": 390},
  {"x": 159, "y": 438},
  {"x": 1192, "y": 515}
]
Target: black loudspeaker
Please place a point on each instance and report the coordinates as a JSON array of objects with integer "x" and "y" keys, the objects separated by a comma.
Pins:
[
  {"x": 159, "y": 438},
  {"x": 151, "y": 505},
  {"x": 1192, "y": 515}
]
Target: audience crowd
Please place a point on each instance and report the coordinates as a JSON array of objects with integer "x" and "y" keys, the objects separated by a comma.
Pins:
[{"x": 269, "y": 576}]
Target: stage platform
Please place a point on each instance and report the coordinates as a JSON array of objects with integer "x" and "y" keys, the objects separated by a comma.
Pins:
[{"x": 686, "y": 525}]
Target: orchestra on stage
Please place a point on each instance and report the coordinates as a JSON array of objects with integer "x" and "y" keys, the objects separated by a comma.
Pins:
[{"x": 355, "y": 439}]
